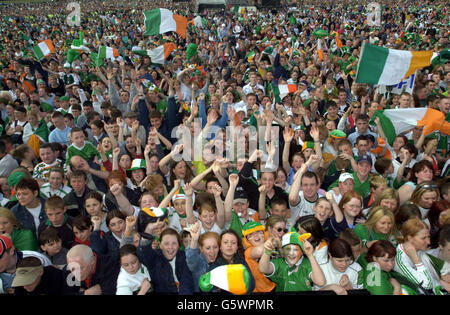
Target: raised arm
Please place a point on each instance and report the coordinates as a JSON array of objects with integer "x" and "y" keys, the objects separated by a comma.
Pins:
[
  {"x": 189, "y": 191},
  {"x": 288, "y": 135},
  {"x": 234, "y": 180}
]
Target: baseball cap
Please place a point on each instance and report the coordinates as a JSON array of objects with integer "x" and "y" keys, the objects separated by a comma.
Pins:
[
  {"x": 131, "y": 115},
  {"x": 344, "y": 176},
  {"x": 5, "y": 244},
  {"x": 240, "y": 195},
  {"x": 26, "y": 275},
  {"x": 365, "y": 158}
]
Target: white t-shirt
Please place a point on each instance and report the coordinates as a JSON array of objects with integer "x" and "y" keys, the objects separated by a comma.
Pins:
[
  {"x": 35, "y": 213},
  {"x": 333, "y": 276},
  {"x": 128, "y": 283},
  {"x": 303, "y": 208}
]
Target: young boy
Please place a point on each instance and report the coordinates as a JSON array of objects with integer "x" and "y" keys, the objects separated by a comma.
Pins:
[
  {"x": 58, "y": 219},
  {"x": 55, "y": 185},
  {"x": 377, "y": 185},
  {"x": 81, "y": 147},
  {"x": 51, "y": 245}
]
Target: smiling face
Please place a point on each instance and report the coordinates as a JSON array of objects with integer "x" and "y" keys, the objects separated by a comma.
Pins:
[
  {"x": 322, "y": 210},
  {"x": 117, "y": 226},
  {"x": 384, "y": 225},
  {"x": 353, "y": 207},
  {"x": 210, "y": 249},
  {"x": 256, "y": 238},
  {"x": 169, "y": 246},
  {"x": 292, "y": 253}
]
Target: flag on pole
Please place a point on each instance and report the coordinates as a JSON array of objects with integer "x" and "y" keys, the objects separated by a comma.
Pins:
[
  {"x": 44, "y": 49},
  {"x": 107, "y": 52},
  {"x": 395, "y": 121},
  {"x": 280, "y": 91},
  {"x": 159, "y": 21},
  {"x": 381, "y": 65},
  {"x": 159, "y": 54}
]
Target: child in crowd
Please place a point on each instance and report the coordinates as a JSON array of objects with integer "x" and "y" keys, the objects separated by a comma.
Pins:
[
  {"x": 134, "y": 278},
  {"x": 51, "y": 245}
]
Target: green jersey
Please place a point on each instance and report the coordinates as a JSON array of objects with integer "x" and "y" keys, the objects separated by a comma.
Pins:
[{"x": 291, "y": 279}]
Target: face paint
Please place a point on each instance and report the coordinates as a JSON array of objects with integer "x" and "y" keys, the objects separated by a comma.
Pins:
[{"x": 292, "y": 254}]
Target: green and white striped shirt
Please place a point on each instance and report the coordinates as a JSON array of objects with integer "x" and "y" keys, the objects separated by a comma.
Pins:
[{"x": 60, "y": 192}]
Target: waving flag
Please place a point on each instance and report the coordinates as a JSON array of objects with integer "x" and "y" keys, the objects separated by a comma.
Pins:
[
  {"x": 159, "y": 54},
  {"x": 44, "y": 49},
  {"x": 107, "y": 52},
  {"x": 159, "y": 21},
  {"x": 381, "y": 65}
]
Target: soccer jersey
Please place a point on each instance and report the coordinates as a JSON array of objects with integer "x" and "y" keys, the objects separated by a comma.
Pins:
[
  {"x": 295, "y": 278},
  {"x": 60, "y": 192},
  {"x": 87, "y": 152},
  {"x": 42, "y": 170}
]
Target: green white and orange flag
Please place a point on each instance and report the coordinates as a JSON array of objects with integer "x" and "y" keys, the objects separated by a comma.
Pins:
[
  {"x": 395, "y": 121},
  {"x": 235, "y": 279},
  {"x": 44, "y": 49},
  {"x": 160, "y": 21},
  {"x": 381, "y": 65},
  {"x": 159, "y": 54},
  {"x": 107, "y": 52},
  {"x": 281, "y": 90},
  {"x": 320, "y": 48}
]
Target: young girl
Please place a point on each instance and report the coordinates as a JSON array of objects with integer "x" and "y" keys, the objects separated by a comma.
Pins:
[
  {"x": 177, "y": 213},
  {"x": 254, "y": 236},
  {"x": 168, "y": 268},
  {"x": 411, "y": 259},
  {"x": 380, "y": 262},
  {"x": 423, "y": 196},
  {"x": 108, "y": 243},
  {"x": 341, "y": 272},
  {"x": 211, "y": 220},
  {"x": 231, "y": 252},
  {"x": 293, "y": 272},
  {"x": 276, "y": 226},
  {"x": 380, "y": 225},
  {"x": 94, "y": 207},
  {"x": 136, "y": 174},
  {"x": 55, "y": 185},
  {"x": 201, "y": 252},
  {"x": 22, "y": 239},
  {"x": 310, "y": 224},
  {"x": 281, "y": 180},
  {"x": 82, "y": 228},
  {"x": 134, "y": 277}
]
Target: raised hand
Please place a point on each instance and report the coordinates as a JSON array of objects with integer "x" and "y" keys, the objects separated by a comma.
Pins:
[
  {"x": 188, "y": 190},
  {"x": 233, "y": 179}
]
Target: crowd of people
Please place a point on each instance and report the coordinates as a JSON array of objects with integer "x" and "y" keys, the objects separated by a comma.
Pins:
[{"x": 123, "y": 176}]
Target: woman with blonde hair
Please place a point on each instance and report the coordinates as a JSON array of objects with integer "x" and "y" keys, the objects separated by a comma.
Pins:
[
  {"x": 411, "y": 259},
  {"x": 380, "y": 225},
  {"x": 389, "y": 198},
  {"x": 155, "y": 184},
  {"x": 22, "y": 239},
  {"x": 424, "y": 195}
]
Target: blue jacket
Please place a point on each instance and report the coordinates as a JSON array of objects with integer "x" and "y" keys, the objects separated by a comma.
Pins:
[
  {"x": 104, "y": 244},
  {"x": 198, "y": 265},
  {"x": 161, "y": 271},
  {"x": 25, "y": 218}
]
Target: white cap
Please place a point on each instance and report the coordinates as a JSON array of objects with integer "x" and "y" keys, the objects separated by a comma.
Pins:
[{"x": 344, "y": 176}]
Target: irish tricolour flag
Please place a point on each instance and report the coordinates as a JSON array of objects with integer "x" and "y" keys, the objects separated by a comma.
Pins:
[
  {"x": 395, "y": 121},
  {"x": 380, "y": 65},
  {"x": 160, "y": 21},
  {"x": 232, "y": 278},
  {"x": 280, "y": 91},
  {"x": 107, "y": 52},
  {"x": 159, "y": 54},
  {"x": 44, "y": 49}
]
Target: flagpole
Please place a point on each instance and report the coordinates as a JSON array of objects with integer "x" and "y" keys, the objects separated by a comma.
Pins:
[{"x": 360, "y": 57}]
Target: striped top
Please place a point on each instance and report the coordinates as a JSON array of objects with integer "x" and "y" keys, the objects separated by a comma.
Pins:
[
  {"x": 60, "y": 192},
  {"x": 419, "y": 274}
]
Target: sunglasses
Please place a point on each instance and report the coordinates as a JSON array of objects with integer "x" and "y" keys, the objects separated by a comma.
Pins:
[
  {"x": 356, "y": 106},
  {"x": 279, "y": 230},
  {"x": 430, "y": 186}
]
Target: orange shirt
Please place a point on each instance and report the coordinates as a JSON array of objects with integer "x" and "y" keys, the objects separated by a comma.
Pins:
[{"x": 262, "y": 283}]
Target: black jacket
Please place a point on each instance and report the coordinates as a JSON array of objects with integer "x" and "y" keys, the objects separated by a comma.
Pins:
[{"x": 52, "y": 282}]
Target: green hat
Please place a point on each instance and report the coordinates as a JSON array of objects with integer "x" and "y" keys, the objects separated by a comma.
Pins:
[
  {"x": 64, "y": 98},
  {"x": 251, "y": 227},
  {"x": 338, "y": 134},
  {"x": 292, "y": 238},
  {"x": 137, "y": 164},
  {"x": 308, "y": 145},
  {"x": 15, "y": 178},
  {"x": 191, "y": 51}
]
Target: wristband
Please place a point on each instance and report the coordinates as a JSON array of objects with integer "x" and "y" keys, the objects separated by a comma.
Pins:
[{"x": 267, "y": 252}]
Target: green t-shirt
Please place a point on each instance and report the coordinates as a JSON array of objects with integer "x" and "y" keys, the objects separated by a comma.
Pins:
[
  {"x": 363, "y": 188},
  {"x": 291, "y": 279},
  {"x": 87, "y": 152},
  {"x": 367, "y": 236},
  {"x": 376, "y": 281},
  {"x": 24, "y": 240}
]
